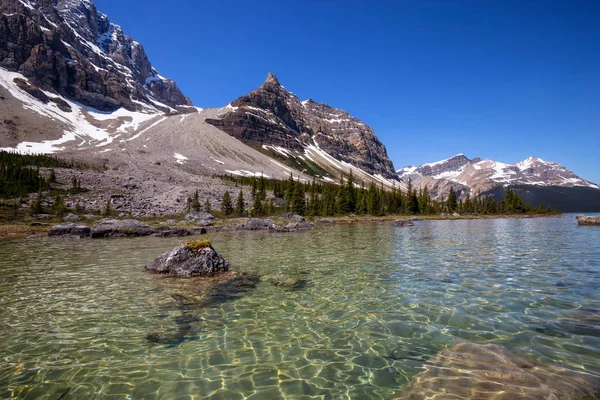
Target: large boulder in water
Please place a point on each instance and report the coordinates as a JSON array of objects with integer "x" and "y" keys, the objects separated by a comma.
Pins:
[
  {"x": 187, "y": 261},
  {"x": 486, "y": 371},
  {"x": 253, "y": 224},
  {"x": 402, "y": 222},
  {"x": 298, "y": 222},
  {"x": 118, "y": 228},
  {"x": 588, "y": 220},
  {"x": 69, "y": 229}
]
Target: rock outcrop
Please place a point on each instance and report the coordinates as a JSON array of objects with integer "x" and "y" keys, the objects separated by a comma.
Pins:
[
  {"x": 68, "y": 47},
  {"x": 402, "y": 222},
  {"x": 119, "y": 228},
  {"x": 70, "y": 229},
  {"x": 187, "y": 262},
  {"x": 272, "y": 117},
  {"x": 298, "y": 222},
  {"x": 485, "y": 371},
  {"x": 198, "y": 216},
  {"x": 588, "y": 220}
]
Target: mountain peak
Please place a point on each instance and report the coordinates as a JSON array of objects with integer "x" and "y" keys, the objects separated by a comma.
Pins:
[{"x": 271, "y": 78}]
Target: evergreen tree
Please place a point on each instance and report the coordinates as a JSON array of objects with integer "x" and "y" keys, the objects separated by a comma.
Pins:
[
  {"x": 261, "y": 191},
  {"x": 467, "y": 205},
  {"x": 36, "y": 204},
  {"x": 58, "y": 206},
  {"x": 226, "y": 205},
  {"x": 107, "y": 211},
  {"x": 271, "y": 207},
  {"x": 73, "y": 182},
  {"x": 374, "y": 201},
  {"x": 79, "y": 208},
  {"x": 298, "y": 200},
  {"x": 257, "y": 207},
  {"x": 452, "y": 201},
  {"x": 254, "y": 187},
  {"x": 196, "y": 201},
  {"x": 240, "y": 205},
  {"x": 52, "y": 178},
  {"x": 413, "y": 202},
  {"x": 409, "y": 204},
  {"x": 207, "y": 207}
]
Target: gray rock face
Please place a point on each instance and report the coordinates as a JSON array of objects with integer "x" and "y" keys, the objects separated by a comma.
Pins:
[
  {"x": 69, "y": 229},
  {"x": 187, "y": 262},
  {"x": 195, "y": 216},
  {"x": 67, "y": 46},
  {"x": 588, "y": 220},
  {"x": 476, "y": 371},
  {"x": 270, "y": 115},
  {"x": 118, "y": 228}
]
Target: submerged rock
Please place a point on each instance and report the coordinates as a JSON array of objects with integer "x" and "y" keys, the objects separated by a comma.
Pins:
[
  {"x": 402, "y": 222},
  {"x": 186, "y": 261},
  {"x": 211, "y": 292},
  {"x": 286, "y": 281},
  {"x": 69, "y": 229},
  {"x": 487, "y": 371},
  {"x": 118, "y": 228},
  {"x": 588, "y": 220}
]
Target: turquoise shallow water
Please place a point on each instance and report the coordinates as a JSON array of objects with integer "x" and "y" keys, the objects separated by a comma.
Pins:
[{"x": 74, "y": 314}]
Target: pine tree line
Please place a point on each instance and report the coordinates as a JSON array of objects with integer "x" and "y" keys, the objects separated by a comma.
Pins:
[{"x": 328, "y": 199}]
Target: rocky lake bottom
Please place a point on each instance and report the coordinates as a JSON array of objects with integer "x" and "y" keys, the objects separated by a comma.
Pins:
[{"x": 360, "y": 311}]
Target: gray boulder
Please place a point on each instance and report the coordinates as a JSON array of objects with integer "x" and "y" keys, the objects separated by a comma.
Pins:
[
  {"x": 69, "y": 229},
  {"x": 195, "y": 216},
  {"x": 119, "y": 228},
  {"x": 289, "y": 215},
  {"x": 71, "y": 217},
  {"x": 402, "y": 222},
  {"x": 185, "y": 261},
  {"x": 299, "y": 222},
  {"x": 588, "y": 220},
  {"x": 254, "y": 224}
]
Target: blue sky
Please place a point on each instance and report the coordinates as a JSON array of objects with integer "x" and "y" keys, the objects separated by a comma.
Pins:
[{"x": 498, "y": 79}]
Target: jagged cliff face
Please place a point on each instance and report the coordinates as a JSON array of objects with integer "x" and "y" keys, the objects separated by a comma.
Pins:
[
  {"x": 476, "y": 175},
  {"x": 68, "y": 47},
  {"x": 272, "y": 117}
]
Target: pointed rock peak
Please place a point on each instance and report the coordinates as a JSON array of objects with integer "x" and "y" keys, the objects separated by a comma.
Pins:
[{"x": 271, "y": 78}]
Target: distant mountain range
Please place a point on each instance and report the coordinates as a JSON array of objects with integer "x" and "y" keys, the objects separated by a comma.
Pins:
[
  {"x": 537, "y": 180},
  {"x": 72, "y": 82}
]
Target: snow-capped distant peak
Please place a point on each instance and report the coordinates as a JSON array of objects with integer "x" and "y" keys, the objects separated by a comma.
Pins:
[
  {"x": 409, "y": 169},
  {"x": 530, "y": 162},
  {"x": 483, "y": 174},
  {"x": 459, "y": 155}
]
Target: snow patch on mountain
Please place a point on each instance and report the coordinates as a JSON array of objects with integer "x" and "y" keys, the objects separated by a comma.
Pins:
[{"x": 88, "y": 126}]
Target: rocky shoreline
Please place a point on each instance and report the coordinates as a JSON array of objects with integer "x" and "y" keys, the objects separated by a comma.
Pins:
[{"x": 177, "y": 226}]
